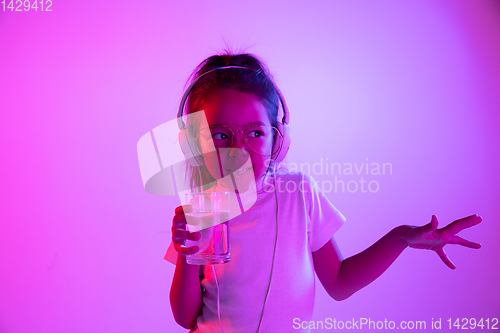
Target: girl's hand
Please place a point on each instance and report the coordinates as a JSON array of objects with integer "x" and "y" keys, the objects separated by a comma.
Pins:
[
  {"x": 430, "y": 238},
  {"x": 180, "y": 234}
]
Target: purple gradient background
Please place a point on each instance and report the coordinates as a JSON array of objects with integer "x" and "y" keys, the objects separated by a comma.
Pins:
[{"x": 414, "y": 83}]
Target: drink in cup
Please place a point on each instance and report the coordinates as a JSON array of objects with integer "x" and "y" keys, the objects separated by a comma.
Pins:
[{"x": 209, "y": 217}]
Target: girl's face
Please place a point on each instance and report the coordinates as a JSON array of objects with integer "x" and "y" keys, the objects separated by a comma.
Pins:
[{"x": 238, "y": 111}]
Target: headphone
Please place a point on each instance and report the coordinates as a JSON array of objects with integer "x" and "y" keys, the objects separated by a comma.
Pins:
[{"x": 186, "y": 135}]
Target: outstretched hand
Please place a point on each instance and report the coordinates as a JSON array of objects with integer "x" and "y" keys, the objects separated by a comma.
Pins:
[{"x": 431, "y": 238}]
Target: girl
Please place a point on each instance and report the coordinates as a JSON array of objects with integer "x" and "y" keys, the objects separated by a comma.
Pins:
[{"x": 286, "y": 235}]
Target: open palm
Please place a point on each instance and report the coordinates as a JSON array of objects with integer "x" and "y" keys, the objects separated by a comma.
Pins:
[{"x": 431, "y": 238}]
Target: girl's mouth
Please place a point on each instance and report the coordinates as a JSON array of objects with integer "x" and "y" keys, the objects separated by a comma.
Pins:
[{"x": 239, "y": 172}]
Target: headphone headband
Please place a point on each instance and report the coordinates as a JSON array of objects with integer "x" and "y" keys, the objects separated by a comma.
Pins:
[{"x": 286, "y": 115}]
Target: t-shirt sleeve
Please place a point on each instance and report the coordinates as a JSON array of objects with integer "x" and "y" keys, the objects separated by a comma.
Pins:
[
  {"x": 171, "y": 255},
  {"x": 324, "y": 218}
]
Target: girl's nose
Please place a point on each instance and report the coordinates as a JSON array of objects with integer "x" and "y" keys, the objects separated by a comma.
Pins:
[
  {"x": 238, "y": 147},
  {"x": 237, "y": 152}
]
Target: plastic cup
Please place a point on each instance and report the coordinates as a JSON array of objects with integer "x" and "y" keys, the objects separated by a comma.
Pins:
[{"x": 209, "y": 217}]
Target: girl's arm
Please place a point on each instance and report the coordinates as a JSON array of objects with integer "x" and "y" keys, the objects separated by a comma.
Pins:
[
  {"x": 185, "y": 293},
  {"x": 342, "y": 278}
]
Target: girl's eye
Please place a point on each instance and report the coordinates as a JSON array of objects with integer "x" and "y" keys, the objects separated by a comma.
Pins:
[
  {"x": 255, "y": 134},
  {"x": 220, "y": 136}
]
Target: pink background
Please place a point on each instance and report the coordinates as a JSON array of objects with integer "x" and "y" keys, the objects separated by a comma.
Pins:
[{"x": 413, "y": 83}]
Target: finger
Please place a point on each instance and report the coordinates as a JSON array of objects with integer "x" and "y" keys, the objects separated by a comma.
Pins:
[
  {"x": 431, "y": 226},
  {"x": 179, "y": 221},
  {"x": 463, "y": 223},
  {"x": 180, "y": 235},
  {"x": 464, "y": 242},
  {"x": 444, "y": 257},
  {"x": 184, "y": 209},
  {"x": 186, "y": 251}
]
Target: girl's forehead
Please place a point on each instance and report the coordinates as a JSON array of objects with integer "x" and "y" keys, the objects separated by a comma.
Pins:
[{"x": 233, "y": 107}]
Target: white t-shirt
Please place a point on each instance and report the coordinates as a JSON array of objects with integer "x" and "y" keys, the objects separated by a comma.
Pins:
[{"x": 306, "y": 221}]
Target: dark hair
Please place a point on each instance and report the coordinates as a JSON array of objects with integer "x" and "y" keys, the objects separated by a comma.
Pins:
[{"x": 255, "y": 79}]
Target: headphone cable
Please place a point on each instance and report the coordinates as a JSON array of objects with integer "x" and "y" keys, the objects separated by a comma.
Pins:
[
  {"x": 274, "y": 252},
  {"x": 272, "y": 266},
  {"x": 218, "y": 298}
]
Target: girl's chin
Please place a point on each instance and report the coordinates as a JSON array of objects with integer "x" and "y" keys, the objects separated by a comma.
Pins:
[{"x": 243, "y": 181}]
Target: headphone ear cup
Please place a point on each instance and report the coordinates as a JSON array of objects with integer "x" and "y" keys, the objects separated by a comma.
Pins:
[
  {"x": 284, "y": 144},
  {"x": 188, "y": 147}
]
